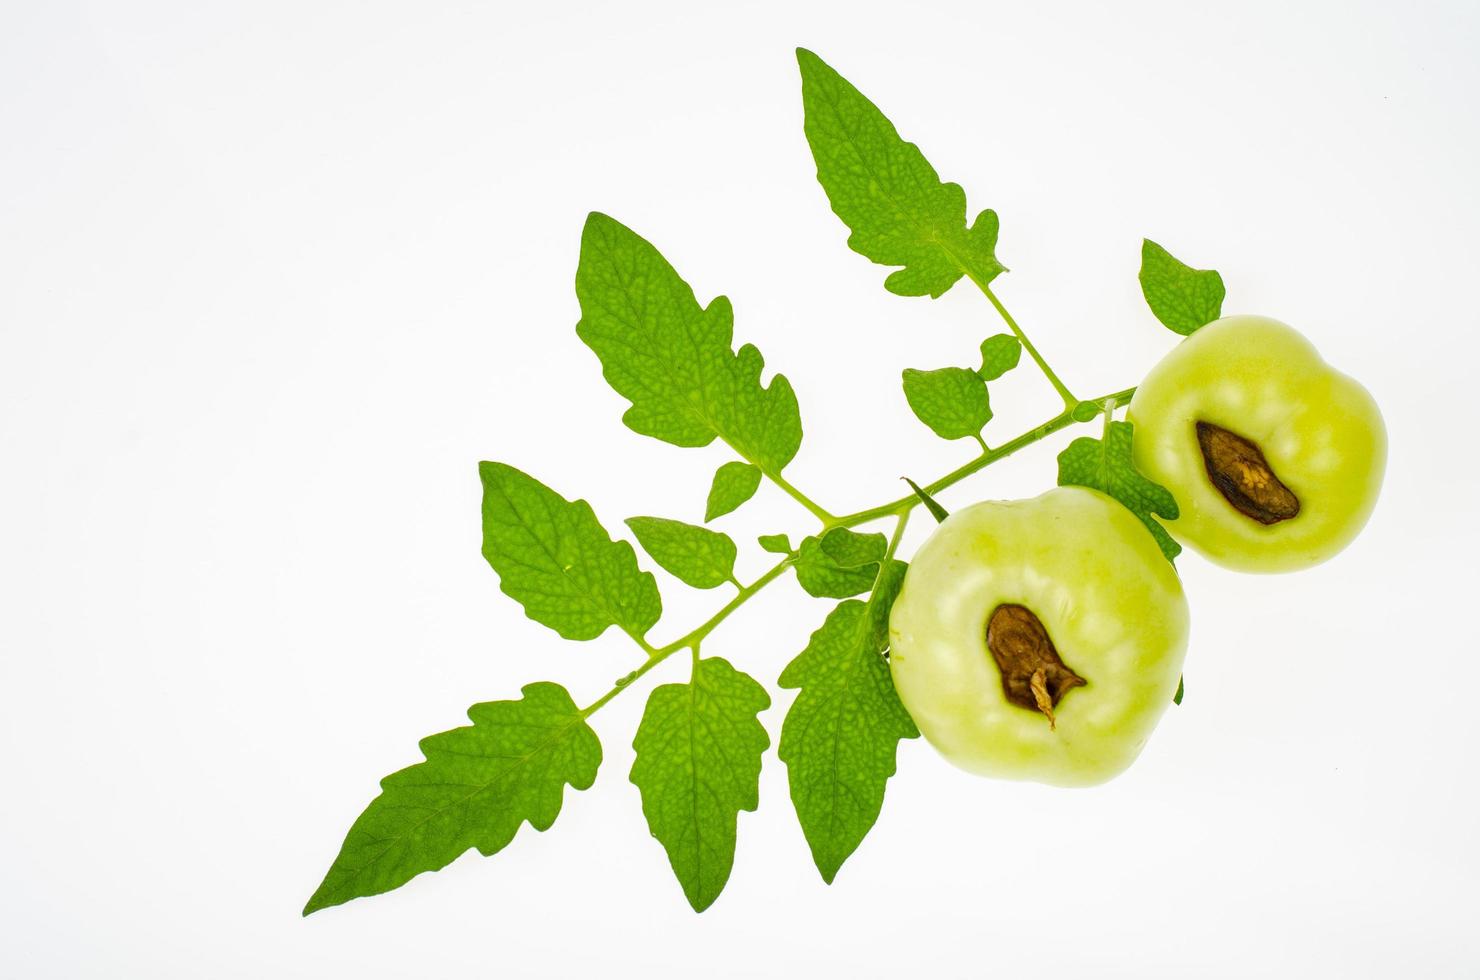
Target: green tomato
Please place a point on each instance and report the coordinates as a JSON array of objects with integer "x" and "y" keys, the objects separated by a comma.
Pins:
[
  {"x": 1039, "y": 639},
  {"x": 1275, "y": 457}
]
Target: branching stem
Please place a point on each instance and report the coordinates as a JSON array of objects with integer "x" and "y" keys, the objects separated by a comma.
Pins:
[
  {"x": 899, "y": 509},
  {"x": 1038, "y": 432},
  {"x": 690, "y": 639},
  {"x": 1069, "y": 400}
]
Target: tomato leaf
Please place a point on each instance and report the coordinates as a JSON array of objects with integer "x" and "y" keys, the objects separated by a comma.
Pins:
[
  {"x": 849, "y": 549},
  {"x": 671, "y": 358},
  {"x": 1183, "y": 298},
  {"x": 698, "y": 764},
  {"x": 839, "y": 738},
  {"x": 476, "y": 787},
  {"x": 888, "y": 194},
  {"x": 555, "y": 559},
  {"x": 840, "y": 563},
  {"x": 1000, "y": 354},
  {"x": 777, "y": 544},
  {"x": 734, "y": 483},
  {"x": 881, "y": 601},
  {"x": 1105, "y": 465},
  {"x": 951, "y": 401},
  {"x": 1084, "y": 411},
  {"x": 694, "y": 555}
]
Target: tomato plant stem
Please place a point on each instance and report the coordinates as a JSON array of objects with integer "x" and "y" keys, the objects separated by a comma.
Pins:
[
  {"x": 899, "y": 509},
  {"x": 1017, "y": 331},
  {"x": 801, "y": 498},
  {"x": 691, "y": 638},
  {"x": 1060, "y": 421}
]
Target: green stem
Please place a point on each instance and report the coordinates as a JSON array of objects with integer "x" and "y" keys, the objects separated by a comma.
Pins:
[
  {"x": 903, "y": 504},
  {"x": 698, "y": 633},
  {"x": 801, "y": 498},
  {"x": 1069, "y": 400},
  {"x": 690, "y": 639},
  {"x": 899, "y": 509},
  {"x": 894, "y": 540},
  {"x": 622, "y": 684}
]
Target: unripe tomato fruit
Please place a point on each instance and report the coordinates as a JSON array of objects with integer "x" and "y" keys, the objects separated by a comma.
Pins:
[
  {"x": 1274, "y": 456},
  {"x": 1039, "y": 639}
]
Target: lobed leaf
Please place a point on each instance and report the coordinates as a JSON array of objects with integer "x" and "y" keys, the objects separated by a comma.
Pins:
[
  {"x": 777, "y": 544},
  {"x": 1183, "y": 298},
  {"x": 694, "y": 555},
  {"x": 888, "y": 194},
  {"x": 951, "y": 401},
  {"x": 734, "y": 483},
  {"x": 698, "y": 764},
  {"x": 476, "y": 787},
  {"x": 1000, "y": 354},
  {"x": 839, "y": 564},
  {"x": 555, "y": 559},
  {"x": 849, "y": 549},
  {"x": 1106, "y": 465},
  {"x": 840, "y": 737},
  {"x": 671, "y": 358}
]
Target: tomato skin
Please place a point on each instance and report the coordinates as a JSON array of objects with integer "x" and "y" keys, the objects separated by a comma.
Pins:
[
  {"x": 1112, "y": 605},
  {"x": 1320, "y": 431}
]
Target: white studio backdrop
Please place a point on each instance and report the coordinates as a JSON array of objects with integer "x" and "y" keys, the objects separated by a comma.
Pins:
[{"x": 275, "y": 276}]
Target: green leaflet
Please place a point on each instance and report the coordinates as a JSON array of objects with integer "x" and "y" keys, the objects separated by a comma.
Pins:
[
  {"x": 777, "y": 544},
  {"x": 477, "y": 785},
  {"x": 888, "y": 194},
  {"x": 1177, "y": 698},
  {"x": 839, "y": 738},
  {"x": 840, "y": 563},
  {"x": 881, "y": 603},
  {"x": 1106, "y": 465},
  {"x": 734, "y": 483},
  {"x": 698, "y": 764},
  {"x": 671, "y": 359},
  {"x": 1084, "y": 411},
  {"x": 951, "y": 401},
  {"x": 936, "y": 510},
  {"x": 849, "y": 549},
  {"x": 694, "y": 555},
  {"x": 555, "y": 559},
  {"x": 1000, "y": 354},
  {"x": 1183, "y": 298}
]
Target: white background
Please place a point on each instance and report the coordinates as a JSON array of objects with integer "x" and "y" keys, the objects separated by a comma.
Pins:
[{"x": 274, "y": 277}]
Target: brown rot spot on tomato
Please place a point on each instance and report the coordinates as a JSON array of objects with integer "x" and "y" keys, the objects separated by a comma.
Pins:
[
  {"x": 1033, "y": 674},
  {"x": 1239, "y": 470}
]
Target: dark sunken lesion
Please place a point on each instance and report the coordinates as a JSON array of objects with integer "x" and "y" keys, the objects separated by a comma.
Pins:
[
  {"x": 1239, "y": 470},
  {"x": 1033, "y": 674}
]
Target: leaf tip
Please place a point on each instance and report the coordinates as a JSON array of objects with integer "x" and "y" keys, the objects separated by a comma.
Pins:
[
  {"x": 599, "y": 223},
  {"x": 316, "y": 902}
]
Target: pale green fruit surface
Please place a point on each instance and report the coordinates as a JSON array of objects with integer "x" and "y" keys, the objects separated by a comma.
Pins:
[
  {"x": 1110, "y": 602},
  {"x": 1319, "y": 430}
]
